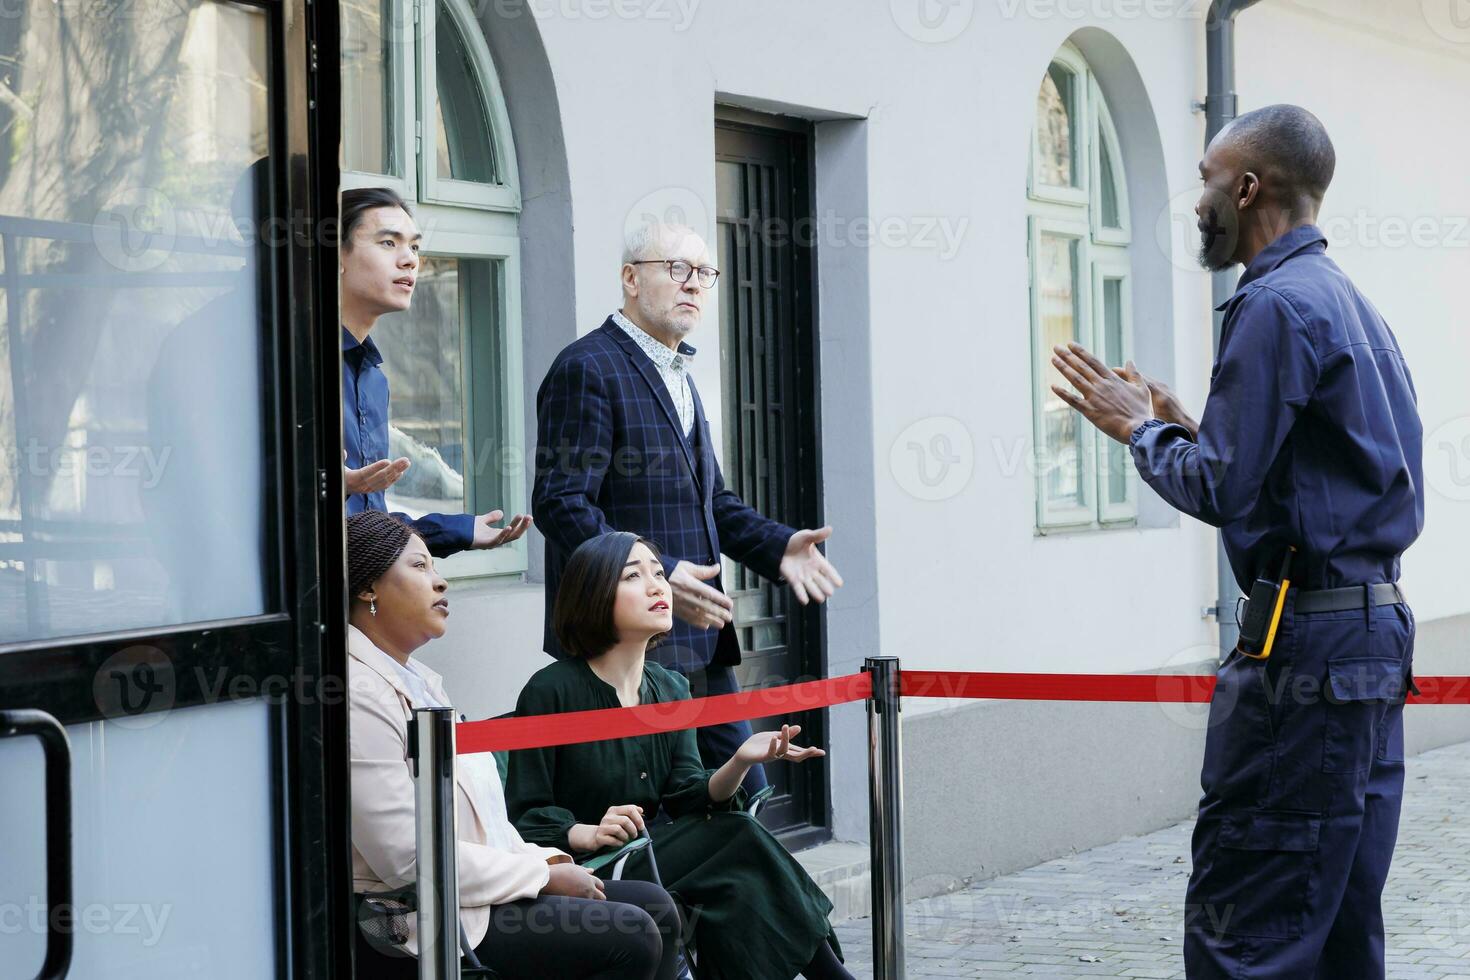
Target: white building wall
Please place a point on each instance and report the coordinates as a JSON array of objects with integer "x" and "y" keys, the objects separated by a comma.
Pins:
[
  {"x": 948, "y": 130},
  {"x": 965, "y": 582},
  {"x": 1393, "y": 95}
]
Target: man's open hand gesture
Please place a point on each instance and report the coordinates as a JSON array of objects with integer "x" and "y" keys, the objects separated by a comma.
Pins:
[
  {"x": 373, "y": 477},
  {"x": 488, "y": 533},
  {"x": 701, "y": 606},
  {"x": 808, "y": 572}
]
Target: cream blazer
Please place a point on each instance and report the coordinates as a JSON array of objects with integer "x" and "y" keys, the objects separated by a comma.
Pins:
[{"x": 383, "y": 852}]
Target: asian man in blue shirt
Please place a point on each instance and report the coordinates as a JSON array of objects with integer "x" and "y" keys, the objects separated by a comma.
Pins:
[{"x": 379, "y": 259}]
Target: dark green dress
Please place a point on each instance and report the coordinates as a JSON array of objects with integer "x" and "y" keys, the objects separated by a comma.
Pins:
[{"x": 755, "y": 912}]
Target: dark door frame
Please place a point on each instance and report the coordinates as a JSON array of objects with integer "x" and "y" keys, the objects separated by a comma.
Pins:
[
  {"x": 798, "y": 137},
  {"x": 303, "y": 633}
]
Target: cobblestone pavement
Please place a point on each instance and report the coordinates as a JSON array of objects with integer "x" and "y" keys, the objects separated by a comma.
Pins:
[{"x": 1117, "y": 910}]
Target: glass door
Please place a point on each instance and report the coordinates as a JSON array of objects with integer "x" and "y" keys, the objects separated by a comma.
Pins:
[{"x": 162, "y": 492}]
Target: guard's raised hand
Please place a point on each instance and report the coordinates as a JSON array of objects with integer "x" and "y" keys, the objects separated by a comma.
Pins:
[{"x": 1115, "y": 405}]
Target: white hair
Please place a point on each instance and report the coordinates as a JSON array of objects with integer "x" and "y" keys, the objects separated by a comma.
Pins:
[{"x": 646, "y": 240}]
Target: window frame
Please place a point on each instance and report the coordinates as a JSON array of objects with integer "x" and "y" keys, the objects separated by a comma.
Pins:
[
  {"x": 462, "y": 219},
  {"x": 401, "y": 66},
  {"x": 1107, "y": 133},
  {"x": 1102, "y": 253},
  {"x": 435, "y": 188},
  {"x": 465, "y": 239},
  {"x": 1112, "y": 263},
  {"x": 1078, "y": 195},
  {"x": 1080, "y": 515}
]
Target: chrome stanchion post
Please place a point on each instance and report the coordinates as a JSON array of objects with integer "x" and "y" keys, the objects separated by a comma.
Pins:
[
  {"x": 431, "y": 745},
  {"x": 885, "y": 820}
]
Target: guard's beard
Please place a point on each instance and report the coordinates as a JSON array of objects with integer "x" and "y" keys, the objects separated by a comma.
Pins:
[{"x": 1216, "y": 243}]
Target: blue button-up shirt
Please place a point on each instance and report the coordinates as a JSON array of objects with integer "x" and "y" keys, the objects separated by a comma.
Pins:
[
  {"x": 1311, "y": 435},
  {"x": 365, "y": 437}
]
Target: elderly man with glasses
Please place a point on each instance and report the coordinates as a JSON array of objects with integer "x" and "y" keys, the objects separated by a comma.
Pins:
[{"x": 624, "y": 445}]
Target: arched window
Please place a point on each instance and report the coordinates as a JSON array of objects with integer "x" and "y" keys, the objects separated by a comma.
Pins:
[
  {"x": 423, "y": 113},
  {"x": 1080, "y": 276}
]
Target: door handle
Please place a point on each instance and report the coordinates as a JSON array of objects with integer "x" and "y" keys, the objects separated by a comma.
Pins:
[{"x": 57, "y": 749}]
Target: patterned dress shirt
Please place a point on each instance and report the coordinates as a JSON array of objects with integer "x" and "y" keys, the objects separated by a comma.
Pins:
[{"x": 672, "y": 366}]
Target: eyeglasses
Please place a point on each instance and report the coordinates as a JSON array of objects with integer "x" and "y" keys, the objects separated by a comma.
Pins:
[{"x": 680, "y": 271}]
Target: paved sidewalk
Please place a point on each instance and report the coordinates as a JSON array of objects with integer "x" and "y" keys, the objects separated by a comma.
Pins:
[{"x": 1117, "y": 910}]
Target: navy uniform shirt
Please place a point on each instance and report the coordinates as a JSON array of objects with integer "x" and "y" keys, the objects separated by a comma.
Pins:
[
  {"x": 365, "y": 437},
  {"x": 1311, "y": 435}
]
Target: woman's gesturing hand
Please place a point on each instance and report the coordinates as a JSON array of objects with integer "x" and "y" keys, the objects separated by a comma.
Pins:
[
  {"x": 765, "y": 747},
  {"x": 619, "y": 825}
]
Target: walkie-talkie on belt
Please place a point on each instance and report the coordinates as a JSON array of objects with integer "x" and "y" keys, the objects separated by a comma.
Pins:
[{"x": 1263, "y": 612}]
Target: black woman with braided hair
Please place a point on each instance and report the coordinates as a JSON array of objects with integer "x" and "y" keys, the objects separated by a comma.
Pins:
[{"x": 528, "y": 911}]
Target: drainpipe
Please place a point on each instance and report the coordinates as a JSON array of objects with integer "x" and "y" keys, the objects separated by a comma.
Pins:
[{"x": 1220, "y": 108}]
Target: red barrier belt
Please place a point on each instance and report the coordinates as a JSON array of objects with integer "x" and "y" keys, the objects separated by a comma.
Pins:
[
  {"x": 1441, "y": 690},
  {"x": 1186, "y": 688},
  {"x": 545, "y": 731}
]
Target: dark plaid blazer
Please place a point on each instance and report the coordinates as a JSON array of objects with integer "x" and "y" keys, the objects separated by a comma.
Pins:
[{"x": 611, "y": 456}]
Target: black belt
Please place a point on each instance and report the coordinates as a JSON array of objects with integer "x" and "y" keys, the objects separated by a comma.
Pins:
[{"x": 1352, "y": 597}]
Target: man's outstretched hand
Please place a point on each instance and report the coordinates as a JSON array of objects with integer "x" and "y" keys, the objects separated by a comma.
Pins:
[
  {"x": 701, "y": 606},
  {"x": 808, "y": 572},
  {"x": 489, "y": 535},
  {"x": 1116, "y": 404},
  {"x": 374, "y": 476}
]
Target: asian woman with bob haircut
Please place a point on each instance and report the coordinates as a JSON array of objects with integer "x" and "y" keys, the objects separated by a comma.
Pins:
[{"x": 755, "y": 913}]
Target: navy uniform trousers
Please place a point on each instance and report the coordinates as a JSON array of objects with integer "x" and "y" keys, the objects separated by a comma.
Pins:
[{"x": 1303, "y": 779}]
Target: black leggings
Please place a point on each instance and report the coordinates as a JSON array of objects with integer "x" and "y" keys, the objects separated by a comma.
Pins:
[{"x": 631, "y": 936}]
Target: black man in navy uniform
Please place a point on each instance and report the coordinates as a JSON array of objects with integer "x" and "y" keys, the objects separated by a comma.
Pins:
[{"x": 1310, "y": 444}]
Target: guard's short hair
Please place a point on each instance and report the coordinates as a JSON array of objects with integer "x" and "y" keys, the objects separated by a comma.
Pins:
[
  {"x": 582, "y": 617},
  {"x": 1288, "y": 143}
]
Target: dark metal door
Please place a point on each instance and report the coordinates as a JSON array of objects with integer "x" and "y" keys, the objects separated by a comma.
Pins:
[{"x": 771, "y": 449}]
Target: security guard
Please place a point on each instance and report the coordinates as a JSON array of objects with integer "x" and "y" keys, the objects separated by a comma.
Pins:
[{"x": 1308, "y": 457}]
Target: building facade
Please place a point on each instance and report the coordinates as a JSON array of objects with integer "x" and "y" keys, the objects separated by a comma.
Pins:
[{"x": 911, "y": 202}]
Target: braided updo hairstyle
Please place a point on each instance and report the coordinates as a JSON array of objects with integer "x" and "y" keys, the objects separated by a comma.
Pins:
[{"x": 374, "y": 542}]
